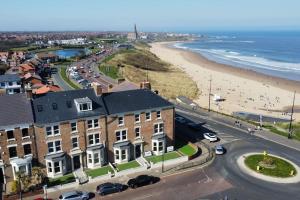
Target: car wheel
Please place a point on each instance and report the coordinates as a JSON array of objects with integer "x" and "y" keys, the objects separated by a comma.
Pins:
[
  {"x": 84, "y": 198},
  {"x": 151, "y": 182},
  {"x": 134, "y": 186}
]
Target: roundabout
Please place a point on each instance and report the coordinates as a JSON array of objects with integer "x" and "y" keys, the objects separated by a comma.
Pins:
[{"x": 269, "y": 167}]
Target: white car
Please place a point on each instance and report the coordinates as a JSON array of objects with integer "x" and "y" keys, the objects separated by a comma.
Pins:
[
  {"x": 74, "y": 195},
  {"x": 211, "y": 137},
  {"x": 219, "y": 150}
]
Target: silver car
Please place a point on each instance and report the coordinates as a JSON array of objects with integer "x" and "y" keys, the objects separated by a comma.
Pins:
[{"x": 74, "y": 195}]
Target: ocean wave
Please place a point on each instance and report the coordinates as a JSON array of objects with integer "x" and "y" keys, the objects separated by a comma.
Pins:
[{"x": 254, "y": 60}]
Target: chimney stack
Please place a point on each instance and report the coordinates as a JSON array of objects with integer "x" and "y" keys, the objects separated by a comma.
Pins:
[
  {"x": 97, "y": 88},
  {"x": 145, "y": 85}
]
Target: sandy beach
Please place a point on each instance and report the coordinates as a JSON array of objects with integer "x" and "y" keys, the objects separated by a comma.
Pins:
[{"x": 242, "y": 90}]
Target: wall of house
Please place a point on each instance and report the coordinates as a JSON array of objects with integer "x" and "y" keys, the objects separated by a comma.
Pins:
[
  {"x": 20, "y": 150},
  {"x": 147, "y": 129}
]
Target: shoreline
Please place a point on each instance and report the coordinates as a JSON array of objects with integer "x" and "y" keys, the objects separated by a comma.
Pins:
[
  {"x": 245, "y": 73},
  {"x": 243, "y": 90}
]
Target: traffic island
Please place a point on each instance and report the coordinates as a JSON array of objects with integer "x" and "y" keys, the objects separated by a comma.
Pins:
[{"x": 270, "y": 168}]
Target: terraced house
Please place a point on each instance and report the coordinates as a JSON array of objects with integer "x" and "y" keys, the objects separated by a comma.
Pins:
[
  {"x": 17, "y": 143},
  {"x": 87, "y": 128}
]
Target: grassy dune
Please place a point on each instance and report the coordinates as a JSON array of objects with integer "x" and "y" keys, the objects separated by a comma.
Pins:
[{"x": 134, "y": 64}]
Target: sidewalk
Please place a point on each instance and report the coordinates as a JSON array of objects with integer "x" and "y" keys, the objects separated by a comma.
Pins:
[
  {"x": 229, "y": 122},
  {"x": 157, "y": 171}
]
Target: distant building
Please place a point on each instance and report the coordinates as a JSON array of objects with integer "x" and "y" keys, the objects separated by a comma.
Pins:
[
  {"x": 10, "y": 83},
  {"x": 47, "y": 57}
]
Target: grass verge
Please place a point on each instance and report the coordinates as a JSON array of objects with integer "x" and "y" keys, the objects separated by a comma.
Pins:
[
  {"x": 129, "y": 165},
  {"x": 282, "y": 169},
  {"x": 66, "y": 79},
  {"x": 160, "y": 158},
  {"x": 62, "y": 180},
  {"x": 99, "y": 171},
  {"x": 111, "y": 71},
  {"x": 187, "y": 150}
]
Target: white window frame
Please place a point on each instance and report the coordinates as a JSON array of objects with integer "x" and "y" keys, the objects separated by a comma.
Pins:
[
  {"x": 139, "y": 117},
  {"x": 135, "y": 128},
  {"x": 149, "y": 116},
  {"x": 24, "y": 149},
  {"x": 158, "y": 116},
  {"x": 119, "y": 153},
  {"x": 54, "y": 146},
  {"x": 159, "y": 149},
  {"x": 121, "y": 135},
  {"x": 52, "y": 130},
  {"x": 121, "y": 121},
  {"x": 93, "y": 124},
  {"x": 158, "y": 130},
  {"x": 76, "y": 142},
  {"x": 76, "y": 128},
  {"x": 25, "y": 137},
  {"x": 93, "y": 138},
  {"x": 88, "y": 105},
  {"x": 10, "y": 146}
]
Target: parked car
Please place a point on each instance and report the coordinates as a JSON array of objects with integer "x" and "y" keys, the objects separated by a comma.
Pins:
[
  {"x": 74, "y": 195},
  {"x": 109, "y": 188},
  {"x": 210, "y": 136},
  {"x": 142, "y": 180},
  {"x": 180, "y": 119},
  {"x": 219, "y": 150},
  {"x": 195, "y": 126}
]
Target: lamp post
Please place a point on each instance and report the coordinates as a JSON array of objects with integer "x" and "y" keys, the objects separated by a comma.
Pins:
[
  {"x": 291, "y": 120},
  {"x": 20, "y": 186}
]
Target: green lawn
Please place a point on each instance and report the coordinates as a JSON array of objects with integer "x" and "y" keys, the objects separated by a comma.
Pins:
[
  {"x": 111, "y": 71},
  {"x": 66, "y": 79},
  {"x": 282, "y": 168},
  {"x": 99, "y": 171},
  {"x": 61, "y": 180},
  {"x": 166, "y": 156},
  {"x": 284, "y": 129},
  {"x": 187, "y": 150},
  {"x": 129, "y": 165}
]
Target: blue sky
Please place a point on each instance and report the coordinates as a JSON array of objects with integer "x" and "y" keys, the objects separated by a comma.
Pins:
[{"x": 149, "y": 15}]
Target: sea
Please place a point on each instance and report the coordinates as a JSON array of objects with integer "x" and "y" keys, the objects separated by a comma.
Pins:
[{"x": 271, "y": 53}]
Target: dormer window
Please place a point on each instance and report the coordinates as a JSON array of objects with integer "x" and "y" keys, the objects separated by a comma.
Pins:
[{"x": 83, "y": 104}]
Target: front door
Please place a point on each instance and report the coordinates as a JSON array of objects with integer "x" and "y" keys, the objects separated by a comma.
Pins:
[
  {"x": 138, "y": 151},
  {"x": 76, "y": 162}
]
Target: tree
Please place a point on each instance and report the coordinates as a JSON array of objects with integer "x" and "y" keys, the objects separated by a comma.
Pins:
[{"x": 37, "y": 175}]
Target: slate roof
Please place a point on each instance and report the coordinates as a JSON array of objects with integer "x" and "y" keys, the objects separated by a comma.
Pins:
[
  {"x": 9, "y": 78},
  {"x": 133, "y": 100},
  {"x": 15, "y": 109},
  {"x": 44, "y": 112}
]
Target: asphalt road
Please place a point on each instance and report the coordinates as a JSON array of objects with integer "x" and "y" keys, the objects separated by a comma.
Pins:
[
  {"x": 222, "y": 179},
  {"x": 59, "y": 81}
]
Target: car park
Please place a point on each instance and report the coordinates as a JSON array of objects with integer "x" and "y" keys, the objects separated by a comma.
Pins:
[
  {"x": 142, "y": 180},
  {"x": 74, "y": 195},
  {"x": 210, "y": 136},
  {"x": 109, "y": 188},
  {"x": 219, "y": 150}
]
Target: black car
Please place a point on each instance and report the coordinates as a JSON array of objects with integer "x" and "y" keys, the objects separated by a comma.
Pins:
[
  {"x": 142, "y": 180},
  {"x": 109, "y": 188}
]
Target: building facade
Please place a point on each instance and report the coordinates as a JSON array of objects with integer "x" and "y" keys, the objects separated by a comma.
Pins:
[
  {"x": 17, "y": 140},
  {"x": 83, "y": 129},
  {"x": 10, "y": 83}
]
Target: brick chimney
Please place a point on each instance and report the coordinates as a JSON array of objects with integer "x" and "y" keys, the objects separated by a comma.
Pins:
[
  {"x": 145, "y": 85},
  {"x": 97, "y": 88}
]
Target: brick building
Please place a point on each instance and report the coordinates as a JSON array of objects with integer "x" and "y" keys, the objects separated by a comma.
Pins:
[
  {"x": 17, "y": 144},
  {"x": 87, "y": 129}
]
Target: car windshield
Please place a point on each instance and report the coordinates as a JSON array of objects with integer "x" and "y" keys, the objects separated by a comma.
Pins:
[{"x": 219, "y": 148}]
